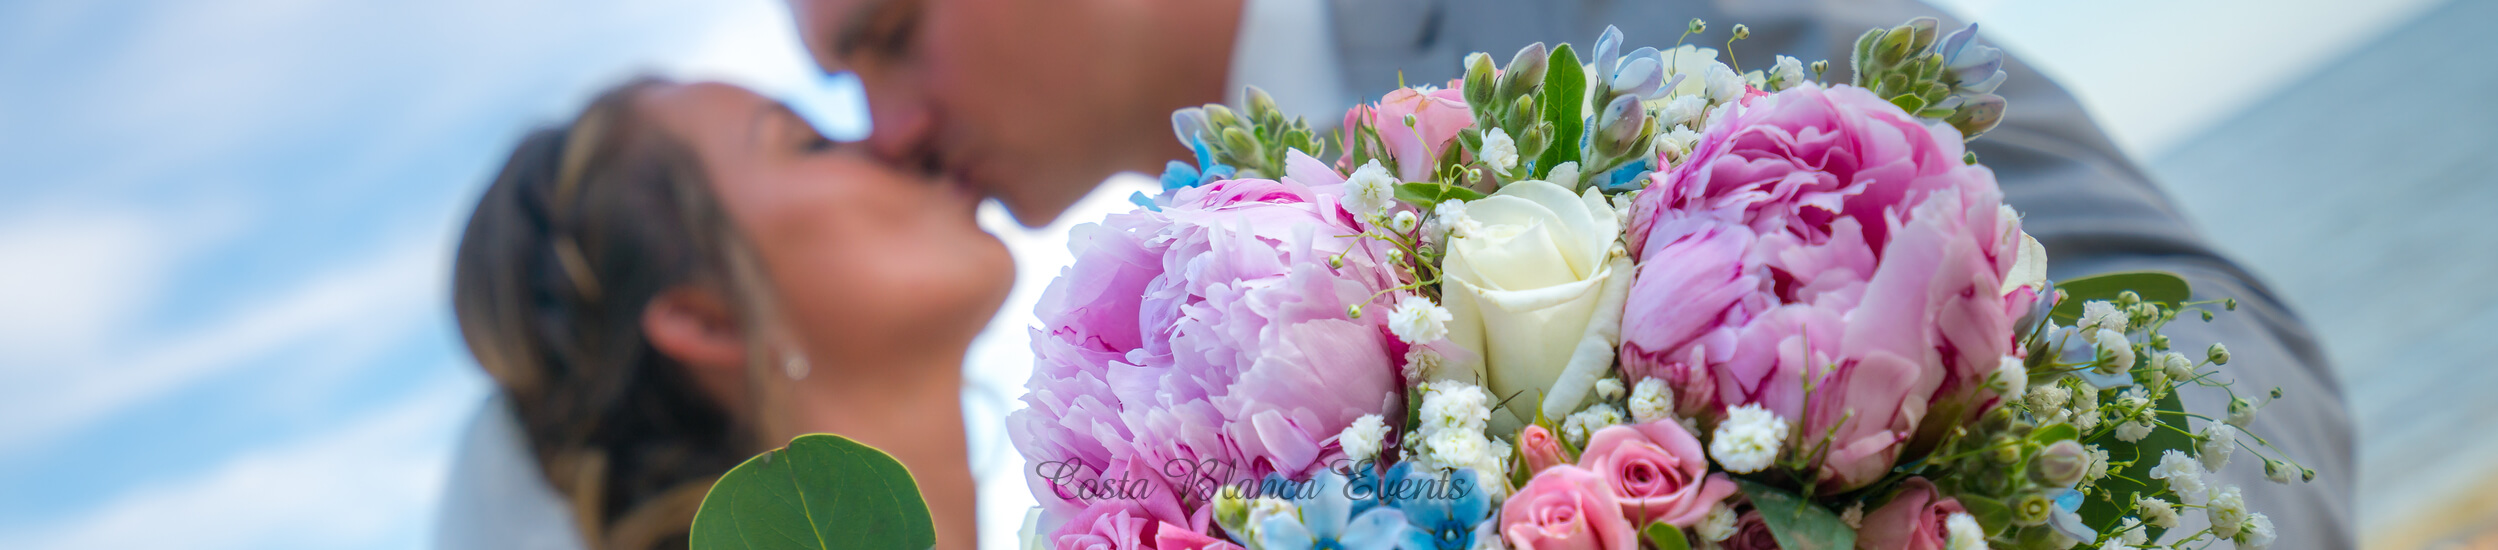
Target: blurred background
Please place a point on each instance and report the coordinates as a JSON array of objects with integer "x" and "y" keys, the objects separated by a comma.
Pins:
[{"x": 225, "y": 229}]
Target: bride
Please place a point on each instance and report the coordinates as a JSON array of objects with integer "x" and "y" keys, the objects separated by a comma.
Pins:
[{"x": 688, "y": 275}]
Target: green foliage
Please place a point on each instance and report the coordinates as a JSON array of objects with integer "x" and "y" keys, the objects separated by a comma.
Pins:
[
  {"x": 2156, "y": 286},
  {"x": 1255, "y": 142},
  {"x": 822, "y": 491},
  {"x": 1565, "y": 87},
  {"x": 1427, "y": 194},
  {"x": 2115, "y": 494},
  {"x": 1798, "y": 524},
  {"x": 1662, "y": 536}
]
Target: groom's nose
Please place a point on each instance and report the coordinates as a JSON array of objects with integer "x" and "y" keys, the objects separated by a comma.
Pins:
[{"x": 901, "y": 124}]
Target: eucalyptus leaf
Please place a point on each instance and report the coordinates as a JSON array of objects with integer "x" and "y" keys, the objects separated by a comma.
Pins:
[
  {"x": 822, "y": 491},
  {"x": 1565, "y": 88},
  {"x": 2157, "y": 286},
  {"x": 1798, "y": 524},
  {"x": 1664, "y": 536},
  {"x": 1990, "y": 513}
]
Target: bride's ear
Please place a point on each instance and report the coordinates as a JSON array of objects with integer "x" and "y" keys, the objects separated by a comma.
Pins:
[{"x": 693, "y": 325}]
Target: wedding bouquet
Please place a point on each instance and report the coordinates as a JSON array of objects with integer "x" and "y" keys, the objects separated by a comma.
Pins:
[{"x": 1642, "y": 300}]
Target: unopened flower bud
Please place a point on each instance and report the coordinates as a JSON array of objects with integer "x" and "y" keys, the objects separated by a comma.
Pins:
[
  {"x": 2061, "y": 464},
  {"x": 2219, "y": 354},
  {"x": 1820, "y": 67},
  {"x": 1742, "y": 32},
  {"x": 2242, "y": 411},
  {"x": 2005, "y": 450},
  {"x": 1231, "y": 509},
  {"x": 2280, "y": 471},
  {"x": 2127, "y": 298},
  {"x": 2032, "y": 510},
  {"x": 1353, "y": 311},
  {"x": 1697, "y": 26}
]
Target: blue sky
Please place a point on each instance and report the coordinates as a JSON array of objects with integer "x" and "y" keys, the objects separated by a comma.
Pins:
[{"x": 224, "y": 230}]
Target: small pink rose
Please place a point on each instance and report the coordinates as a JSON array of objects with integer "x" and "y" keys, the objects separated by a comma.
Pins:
[
  {"x": 1658, "y": 471},
  {"x": 1542, "y": 450},
  {"x": 1751, "y": 533},
  {"x": 1174, "y": 537},
  {"x": 1105, "y": 526},
  {"x": 1913, "y": 520},
  {"x": 1566, "y": 508}
]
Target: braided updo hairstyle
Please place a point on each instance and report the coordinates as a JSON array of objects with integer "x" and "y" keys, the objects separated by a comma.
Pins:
[{"x": 585, "y": 224}]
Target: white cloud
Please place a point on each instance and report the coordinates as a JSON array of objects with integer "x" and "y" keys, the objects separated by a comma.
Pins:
[
  {"x": 392, "y": 288},
  {"x": 366, "y": 484}
]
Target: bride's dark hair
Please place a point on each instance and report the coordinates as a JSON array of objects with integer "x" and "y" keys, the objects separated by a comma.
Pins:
[{"x": 584, "y": 226}]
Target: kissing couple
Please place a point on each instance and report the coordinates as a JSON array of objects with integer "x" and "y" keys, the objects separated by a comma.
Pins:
[{"x": 687, "y": 274}]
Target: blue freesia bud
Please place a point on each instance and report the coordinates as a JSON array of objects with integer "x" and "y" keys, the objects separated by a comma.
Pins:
[
  {"x": 1640, "y": 77},
  {"x": 1608, "y": 48},
  {"x": 1178, "y": 174}
]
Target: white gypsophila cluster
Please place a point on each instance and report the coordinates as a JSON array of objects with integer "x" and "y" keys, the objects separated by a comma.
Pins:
[
  {"x": 2011, "y": 378},
  {"x": 1854, "y": 516},
  {"x": 2118, "y": 353},
  {"x": 2176, "y": 366},
  {"x": 2098, "y": 464},
  {"x": 1748, "y": 439},
  {"x": 2280, "y": 471},
  {"x": 2047, "y": 402},
  {"x": 1609, "y": 388},
  {"x": 2184, "y": 476},
  {"x": 2242, "y": 411},
  {"x": 1651, "y": 401},
  {"x": 1370, "y": 191},
  {"x": 1685, "y": 111},
  {"x": 1421, "y": 363},
  {"x": 1403, "y": 222},
  {"x": 2132, "y": 533},
  {"x": 1965, "y": 534},
  {"x": 1675, "y": 144},
  {"x": 1787, "y": 72},
  {"x": 2086, "y": 409},
  {"x": 2218, "y": 441},
  {"x": 1267, "y": 507},
  {"x": 1622, "y": 205},
  {"x": 2258, "y": 533},
  {"x": 1418, "y": 321},
  {"x": 2227, "y": 512},
  {"x": 1363, "y": 438},
  {"x": 1450, "y": 218},
  {"x": 1499, "y": 150},
  {"x": 1719, "y": 525},
  {"x": 2099, "y": 315},
  {"x": 1724, "y": 84},
  {"x": 1452, "y": 405},
  {"x": 2156, "y": 512},
  {"x": 1451, "y": 432},
  {"x": 1581, "y": 424},
  {"x": 2132, "y": 431}
]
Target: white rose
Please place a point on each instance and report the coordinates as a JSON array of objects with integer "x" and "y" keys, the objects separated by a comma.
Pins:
[{"x": 1536, "y": 294}]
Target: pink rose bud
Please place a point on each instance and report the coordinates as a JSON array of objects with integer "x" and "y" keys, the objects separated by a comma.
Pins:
[
  {"x": 1566, "y": 508},
  {"x": 1914, "y": 520},
  {"x": 1658, "y": 471},
  {"x": 1541, "y": 448},
  {"x": 1752, "y": 533}
]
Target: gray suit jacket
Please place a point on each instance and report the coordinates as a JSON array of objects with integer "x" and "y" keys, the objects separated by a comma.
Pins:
[{"x": 2093, "y": 208}]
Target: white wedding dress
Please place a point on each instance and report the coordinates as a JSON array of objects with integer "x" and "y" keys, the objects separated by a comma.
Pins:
[{"x": 494, "y": 497}]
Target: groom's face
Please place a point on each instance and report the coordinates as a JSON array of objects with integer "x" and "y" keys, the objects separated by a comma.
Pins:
[{"x": 1031, "y": 102}]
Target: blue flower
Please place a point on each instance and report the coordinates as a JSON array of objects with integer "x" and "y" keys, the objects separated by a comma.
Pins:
[
  {"x": 1445, "y": 520},
  {"x": 1328, "y": 522}
]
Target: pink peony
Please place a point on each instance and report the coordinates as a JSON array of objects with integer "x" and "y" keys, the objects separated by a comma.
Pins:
[
  {"x": 1824, "y": 231},
  {"x": 1212, "y": 331},
  {"x": 1566, "y": 508},
  {"x": 1659, "y": 471},
  {"x": 1913, "y": 520},
  {"x": 1540, "y": 448},
  {"x": 1438, "y": 116}
]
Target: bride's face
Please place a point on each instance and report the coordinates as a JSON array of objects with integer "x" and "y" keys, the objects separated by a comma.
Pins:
[{"x": 870, "y": 266}]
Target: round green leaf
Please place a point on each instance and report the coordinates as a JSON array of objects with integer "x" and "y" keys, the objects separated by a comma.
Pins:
[{"x": 822, "y": 491}]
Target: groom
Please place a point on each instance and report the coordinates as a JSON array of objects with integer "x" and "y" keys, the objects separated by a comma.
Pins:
[{"x": 1033, "y": 102}]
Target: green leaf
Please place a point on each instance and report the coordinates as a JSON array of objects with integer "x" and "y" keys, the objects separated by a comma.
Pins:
[
  {"x": 822, "y": 491},
  {"x": 2097, "y": 511},
  {"x": 2157, "y": 286},
  {"x": 1990, "y": 513},
  {"x": 1427, "y": 194},
  {"x": 1565, "y": 87},
  {"x": 2051, "y": 434},
  {"x": 1663, "y": 536},
  {"x": 1798, "y": 524}
]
